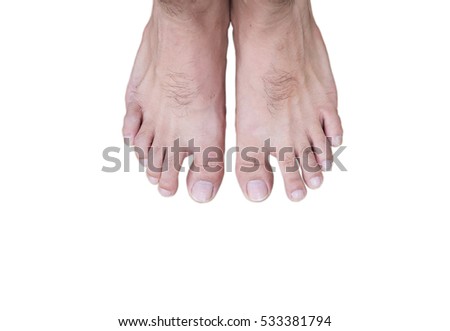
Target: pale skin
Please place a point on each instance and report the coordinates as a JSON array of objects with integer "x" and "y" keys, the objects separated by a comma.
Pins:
[{"x": 285, "y": 92}]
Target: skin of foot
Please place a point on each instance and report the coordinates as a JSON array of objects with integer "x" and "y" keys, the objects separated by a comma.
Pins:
[
  {"x": 286, "y": 93},
  {"x": 176, "y": 95}
]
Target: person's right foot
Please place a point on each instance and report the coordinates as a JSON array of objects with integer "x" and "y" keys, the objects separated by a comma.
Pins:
[
  {"x": 285, "y": 93},
  {"x": 177, "y": 91}
]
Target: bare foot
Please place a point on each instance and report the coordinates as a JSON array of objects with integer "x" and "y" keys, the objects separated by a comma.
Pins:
[
  {"x": 177, "y": 92},
  {"x": 285, "y": 93}
]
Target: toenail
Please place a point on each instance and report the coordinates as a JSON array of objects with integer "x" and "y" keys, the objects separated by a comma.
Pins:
[
  {"x": 336, "y": 141},
  {"x": 257, "y": 190},
  {"x": 315, "y": 182},
  {"x": 165, "y": 193},
  {"x": 298, "y": 195},
  {"x": 153, "y": 180},
  {"x": 202, "y": 191},
  {"x": 327, "y": 165}
]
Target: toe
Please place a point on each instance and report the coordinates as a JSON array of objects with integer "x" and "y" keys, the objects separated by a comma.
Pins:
[
  {"x": 156, "y": 156},
  {"x": 333, "y": 127},
  {"x": 322, "y": 149},
  {"x": 254, "y": 174},
  {"x": 142, "y": 144},
  {"x": 206, "y": 174},
  {"x": 132, "y": 123},
  {"x": 293, "y": 183},
  {"x": 311, "y": 171},
  {"x": 168, "y": 182}
]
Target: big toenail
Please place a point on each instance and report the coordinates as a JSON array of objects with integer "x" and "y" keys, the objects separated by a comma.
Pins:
[
  {"x": 327, "y": 165},
  {"x": 202, "y": 191},
  {"x": 257, "y": 190},
  {"x": 165, "y": 193},
  {"x": 298, "y": 195},
  {"x": 336, "y": 141},
  {"x": 315, "y": 182}
]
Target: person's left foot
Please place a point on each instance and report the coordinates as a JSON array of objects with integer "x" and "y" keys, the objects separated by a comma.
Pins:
[{"x": 285, "y": 93}]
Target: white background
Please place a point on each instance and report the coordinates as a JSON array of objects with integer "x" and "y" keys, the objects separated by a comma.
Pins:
[{"x": 80, "y": 248}]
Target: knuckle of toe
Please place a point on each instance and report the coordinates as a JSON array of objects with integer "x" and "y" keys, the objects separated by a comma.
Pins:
[
  {"x": 141, "y": 140},
  {"x": 288, "y": 161},
  {"x": 132, "y": 118},
  {"x": 132, "y": 95},
  {"x": 327, "y": 109}
]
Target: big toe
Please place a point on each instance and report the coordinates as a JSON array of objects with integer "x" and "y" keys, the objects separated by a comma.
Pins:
[
  {"x": 254, "y": 174},
  {"x": 206, "y": 174}
]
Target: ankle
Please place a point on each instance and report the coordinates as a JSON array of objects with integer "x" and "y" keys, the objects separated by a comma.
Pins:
[
  {"x": 271, "y": 19},
  {"x": 270, "y": 13},
  {"x": 199, "y": 12}
]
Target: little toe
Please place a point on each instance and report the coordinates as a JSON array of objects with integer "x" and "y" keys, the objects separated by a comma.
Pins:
[
  {"x": 333, "y": 127},
  {"x": 131, "y": 123}
]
